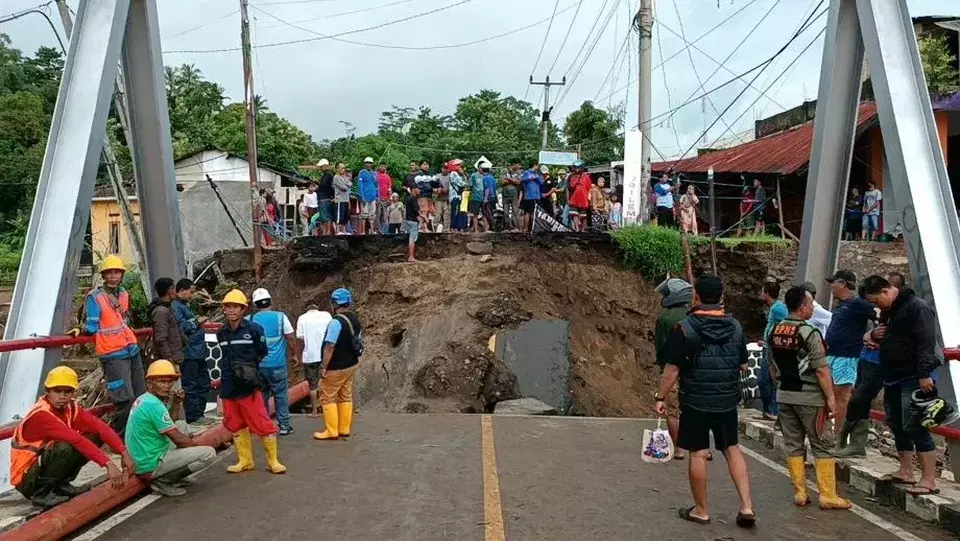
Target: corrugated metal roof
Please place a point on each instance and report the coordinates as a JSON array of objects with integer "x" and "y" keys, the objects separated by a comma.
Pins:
[{"x": 783, "y": 153}]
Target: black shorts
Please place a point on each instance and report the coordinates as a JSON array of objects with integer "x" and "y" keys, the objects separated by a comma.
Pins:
[
  {"x": 528, "y": 205},
  {"x": 696, "y": 426},
  {"x": 312, "y": 372},
  {"x": 343, "y": 213},
  {"x": 474, "y": 207}
]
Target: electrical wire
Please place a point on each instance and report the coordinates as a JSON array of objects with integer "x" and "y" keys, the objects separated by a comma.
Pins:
[
  {"x": 319, "y": 35},
  {"x": 566, "y": 36},
  {"x": 666, "y": 86},
  {"x": 589, "y": 35},
  {"x": 613, "y": 66},
  {"x": 543, "y": 44},
  {"x": 351, "y": 12},
  {"x": 39, "y": 11},
  {"x": 586, "y": 58},
  {"x": 204, "y": 25}
]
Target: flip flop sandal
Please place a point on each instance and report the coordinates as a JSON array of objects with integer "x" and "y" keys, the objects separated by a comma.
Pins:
[
  {"x": 681, "y": 457},
  {"x": 923, "y": 491},
  {"x": 685, "y": 515},
  {"x": 710, "y": 457},
  {"x": 894, "y": 480},
  {"x": 745, "y": 520}
]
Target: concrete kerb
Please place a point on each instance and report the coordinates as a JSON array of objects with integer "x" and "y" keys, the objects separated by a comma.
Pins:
[
  {"x": 69, "y": 517},
  {"x": 865, "y": 474}
]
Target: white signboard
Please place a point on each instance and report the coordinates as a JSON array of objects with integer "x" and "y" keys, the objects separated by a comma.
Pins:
[
  {"x": 566, "y": 159},
  {"x": 632, "y": 178}
]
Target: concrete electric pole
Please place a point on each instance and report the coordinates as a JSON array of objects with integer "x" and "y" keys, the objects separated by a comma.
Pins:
[
  {"x": 251, "y": 126},
  {"x": 545, "y": 116},
  {"x": 644, "y": 24},
  {"x": 113, "y": 168}
]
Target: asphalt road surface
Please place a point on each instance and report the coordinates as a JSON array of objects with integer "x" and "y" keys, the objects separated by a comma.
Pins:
[{"x": 472, "y": 477}]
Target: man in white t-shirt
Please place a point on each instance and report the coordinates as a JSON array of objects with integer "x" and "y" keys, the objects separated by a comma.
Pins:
[
  {"x": 871, "y": 212},
  {"x": 311, "y": 328}
]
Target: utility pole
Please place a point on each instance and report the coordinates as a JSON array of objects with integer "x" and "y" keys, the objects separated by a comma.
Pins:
[
  {"x": 251, "y": 126},
  {"x": 644, "y": 24},
  {"x": 545, "y": 116},
  {"x": 110, "y": 159}
]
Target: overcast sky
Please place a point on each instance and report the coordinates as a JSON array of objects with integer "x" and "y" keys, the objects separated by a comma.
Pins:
[{"x": 318, "y": 83}]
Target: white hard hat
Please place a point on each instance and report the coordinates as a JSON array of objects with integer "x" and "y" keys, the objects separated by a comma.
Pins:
[
  {"x": 368, "y": 159},
  {"x": 261, "y": 294},
  {"x": 544, "y": 169},
  {"x": 322, "y": 162}
]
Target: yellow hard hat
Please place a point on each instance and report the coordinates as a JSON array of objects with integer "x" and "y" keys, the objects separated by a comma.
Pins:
[
  {"x": 112, "y": 262},
  {"x": 235, "y": 296},
  {"x": 62, "y": 376},
  {"x": 162, "y": 368}
]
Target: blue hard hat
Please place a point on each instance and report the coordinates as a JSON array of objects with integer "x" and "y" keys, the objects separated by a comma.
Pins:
[
  {"x": 341, "y": 296},
  {"x": 578, "y": 163}
]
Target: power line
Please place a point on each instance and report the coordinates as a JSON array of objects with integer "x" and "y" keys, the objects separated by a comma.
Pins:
[
  {"x": 566, "y": 36},
  {"x": 613, "y": 67},
  {"x": 350, "y": 12},
  {"x": 593, "y": 47},
  {"x": 589, "y": 35},
  {"x": 545, "y": 36},
  {"x": 323, "y": 36},
  {"x": 204, "y": 25},
  {"x": 666, "y": 86},
  {"x": 39, "y": 11}
]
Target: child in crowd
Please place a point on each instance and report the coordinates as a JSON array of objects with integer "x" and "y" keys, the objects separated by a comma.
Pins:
[
  {"x": 395, "y": 213},
  {"x": 616, "y": 213}
]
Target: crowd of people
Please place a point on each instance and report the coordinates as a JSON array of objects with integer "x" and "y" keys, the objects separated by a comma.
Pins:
[
  {"x": 816, "y": 365},
  {"x": 56, "y": 437}
]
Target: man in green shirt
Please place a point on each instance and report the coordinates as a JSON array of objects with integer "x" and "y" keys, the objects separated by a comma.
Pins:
[
  {"x": 162, "y": 454},
  {"x": 677, "y": 295}
]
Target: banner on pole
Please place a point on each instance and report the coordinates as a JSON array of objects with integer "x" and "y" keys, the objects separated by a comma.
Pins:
[
  {"x": 632, "y": 178},
  {"x": 544, "y": 222}
]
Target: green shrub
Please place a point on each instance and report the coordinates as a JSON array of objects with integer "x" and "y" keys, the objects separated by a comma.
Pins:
[
  {"x": 138, "y": 300},
  {"x": 9, "y": 263},
  {"x": 652, "y": 251}
]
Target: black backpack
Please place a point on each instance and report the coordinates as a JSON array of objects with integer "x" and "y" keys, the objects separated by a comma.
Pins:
[{"x": 357, "y": 337}]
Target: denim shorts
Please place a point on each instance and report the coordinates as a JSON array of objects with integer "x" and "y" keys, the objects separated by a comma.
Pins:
[
  {"x": 843, "y": 369},
  {"x": 414, "y": 229},
  {"x": 871, "y": 222}
]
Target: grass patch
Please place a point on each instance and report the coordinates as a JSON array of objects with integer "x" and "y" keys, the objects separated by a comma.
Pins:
[
  {"x": 655, "y": 251},
  {"x": 9, "y": 263}
]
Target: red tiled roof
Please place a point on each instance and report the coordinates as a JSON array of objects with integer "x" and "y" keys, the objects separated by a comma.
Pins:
[{"x": 781, "y": 153}]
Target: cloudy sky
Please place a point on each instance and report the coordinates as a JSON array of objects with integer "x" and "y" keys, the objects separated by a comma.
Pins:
[{"x": 320, "y": 82}]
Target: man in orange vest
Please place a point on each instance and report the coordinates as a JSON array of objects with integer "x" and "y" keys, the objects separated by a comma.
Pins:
[
  {"x": 55, "y": 439},
  {"x": 107, "y": 309}
]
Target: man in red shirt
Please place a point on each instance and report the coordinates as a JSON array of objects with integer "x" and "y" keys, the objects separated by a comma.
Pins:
[
  {"x": 384, "y": 189},
  {"x": 55, "y": 439},
  {"x": 579, "y": 201}
]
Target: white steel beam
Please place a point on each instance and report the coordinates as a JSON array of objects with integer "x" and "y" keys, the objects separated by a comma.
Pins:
[
  {"x": 834, "y": 130},
  {"x": 46, "y": 281},
  {"x": 150, "y": 145}
]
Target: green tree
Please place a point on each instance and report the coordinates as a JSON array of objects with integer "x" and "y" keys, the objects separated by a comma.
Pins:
[
  {"x": 279, "y": 142},
  {"x": 193, "y": 103},
  {"x": 599, "y": 133},
  {"x": 939, "y": 66}
]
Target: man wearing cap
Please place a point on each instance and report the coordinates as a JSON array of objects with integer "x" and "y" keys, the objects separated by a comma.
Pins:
[
  {"x": 244, "y": 347},
  {"x": 531, "y": 179},
  {"x": 707, "y": 353},
  {"x": 162, "y": 453},
  {"x": 844, "y": 338},
  {"x": 53, "y": 441},
  {"x": 107, "y": 309},
  {"x": 367, "y": 190},
  {"x": 281, "y": 344},
  {"x": 342, "y": 347},
  {"x": 324, "y": 198}
]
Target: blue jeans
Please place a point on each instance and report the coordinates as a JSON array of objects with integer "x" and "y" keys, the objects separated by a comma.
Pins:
[
  {"x": 908, "y": 435},
  {"x": 276, "y": 381},
  {"x": 768, "y": 393},
  {"x": 195, "y": 380}
]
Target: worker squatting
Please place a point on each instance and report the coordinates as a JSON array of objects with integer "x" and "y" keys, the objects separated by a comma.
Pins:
[{"x": 56, "y": 437}]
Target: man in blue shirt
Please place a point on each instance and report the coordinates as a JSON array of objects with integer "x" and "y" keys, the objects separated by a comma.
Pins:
[
  {"x": 280, "y": 342},
  {"x": 777, "y": 313},
  {"x": 342, "y": 347},
  {"x": 531, "y": 180},
  {"x": 490, "y": 194},
  {"x": 195, "y": 378},
  {"x": 368, "y": 192},
  {"x": 664, "y": 191},
  {"x": 478, "y": 197}
]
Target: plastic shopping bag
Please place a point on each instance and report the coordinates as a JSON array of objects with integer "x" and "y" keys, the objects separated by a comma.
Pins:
[{"x": 657, "y": 445}]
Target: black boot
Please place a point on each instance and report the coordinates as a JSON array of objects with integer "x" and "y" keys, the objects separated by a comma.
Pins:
[
  {"x": 71, "y": 491},
  {"x": 48, "y": 499}
]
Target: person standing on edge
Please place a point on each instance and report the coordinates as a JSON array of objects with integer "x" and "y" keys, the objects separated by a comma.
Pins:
[
  {"x": 677, "y": 295},
  {"x": 800, "y": 366},
  {"x": 489, "y": 193},
  {"x": 411, "y": 179},
  {"x": 53, "y": 441},
  {"x": 531, "y": 179},
  {"x": 776, "y": 312},
  {"x": 281, "y": 344},
  {"x": 664, "y": 192},
  {"x": 908, "y": 358},
  {"x": 244, "y": 346},
  {"x": 511, "y": 193},
  {"x": 384, "y": 189},
  {"x": 871, "y": 212},
  {"x": 395, "y": 214},
  {"x": 324, "y": 198},
  {"x": 310, "y": 203},
  {"x": 844, "y": 339},
  {"x": 707, "y": 352},
  {"x": 341, "y": 186},
  {"x": 442, "y": 204},
  {"x": 580, "y": 184},
  {"x": 412, "y": 221},
  {"x": 311, "y": 328},
  {"x": 760, "y": 199},
  {"x": 107, "y": 310},
  {"x": 367, "y": 190},
  {"x": 477, "y": 198},
  {"x": 342, "y": 347},
  {"x": 457, "y": 182},
  {"x": 194, "y": 374},
  {"x": 163, "y": 454}
]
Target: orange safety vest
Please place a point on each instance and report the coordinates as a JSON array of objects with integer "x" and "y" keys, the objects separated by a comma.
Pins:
[
  {"x": 24, "y": 454},
  {"x": 113, "y": 334}
]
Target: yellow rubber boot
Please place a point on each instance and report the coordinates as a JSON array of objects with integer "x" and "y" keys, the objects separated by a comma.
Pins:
[
  {"x": 270, "y": 449},
  {"x": 244, "y": 447},
  {"x": 827, "y": 485},
  {"x": 330, "y": 417},
  {"x": 345, "y": 413},
  {"x": 798, "y": 477}
]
